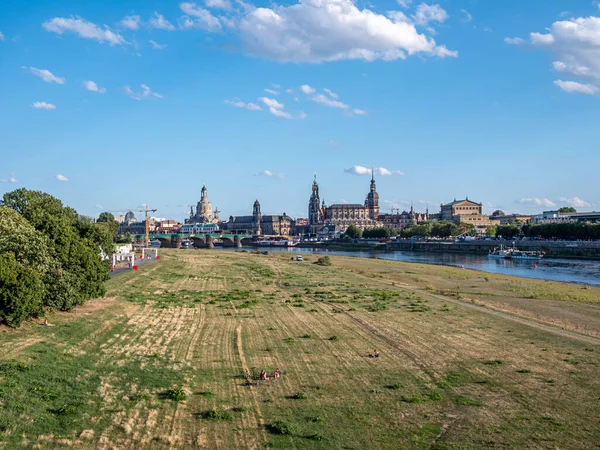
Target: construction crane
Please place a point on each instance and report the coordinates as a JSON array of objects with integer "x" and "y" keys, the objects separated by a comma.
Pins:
[{"x": 146, "y": 211}]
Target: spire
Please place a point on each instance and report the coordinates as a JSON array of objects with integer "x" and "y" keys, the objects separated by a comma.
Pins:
[
  {"x": 315, "y": 180},
  {"x": 372, "y": 173}
]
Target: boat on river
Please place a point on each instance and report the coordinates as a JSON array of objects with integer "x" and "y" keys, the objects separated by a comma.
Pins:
[{"x": 514, "y": 253}]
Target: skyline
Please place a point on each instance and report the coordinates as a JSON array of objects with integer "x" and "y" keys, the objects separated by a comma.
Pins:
[{"x": 144, "y": 103}]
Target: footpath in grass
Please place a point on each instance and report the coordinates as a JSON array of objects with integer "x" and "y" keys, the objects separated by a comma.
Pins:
[{"x": 160, "y": 362}]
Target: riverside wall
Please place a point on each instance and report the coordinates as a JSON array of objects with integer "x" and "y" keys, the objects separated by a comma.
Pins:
[{"x": 572, "y": 249}]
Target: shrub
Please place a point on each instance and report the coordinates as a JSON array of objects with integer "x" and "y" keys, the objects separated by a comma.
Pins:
[
  {"x": 289, "y": 340},
  {"x": 306, "y": 336},
  {"x": 314, "y": 419},
  {"x": 316, "y": 437},
  {"x": 21, "y": 291},
  {"x": 323, "y": 261},
  {"x": 217, "y": 414},
  {"x": 284, "y": 428},
  {"x": 175, "y": 394},
  {"x": 395, "y": 386},
  {"x": 524, "y": 371},
  {"x": 333, "y": 338},
  {"x": 298, "y": 396},
  {"x": 494, "y": 362}
]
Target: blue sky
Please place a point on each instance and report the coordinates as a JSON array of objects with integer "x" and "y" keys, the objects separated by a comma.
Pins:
[{"x": 121, "y": 103}]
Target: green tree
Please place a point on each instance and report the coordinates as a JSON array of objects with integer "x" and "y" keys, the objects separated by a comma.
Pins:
[
  {"x": 467, "y": 229},
  {"x": 508, "y": 231},
  {"x": 353, "y": 232},
  {"x": 567, "y": 209},
  {"x": 422, "y": 229},
  {"x": 107, "y": 220},
  {"x": 444, "y": 229},
  {"x": 21, "y": 291},
  {"x": 492, "y": 230}
]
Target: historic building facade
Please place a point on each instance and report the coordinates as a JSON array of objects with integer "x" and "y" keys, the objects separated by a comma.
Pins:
[
  {"x": 343, "y": 215},
  {"x": 204, "y": 211},
  {"x": 260, "y": 225},
  {"x": 404, "y": 219}
]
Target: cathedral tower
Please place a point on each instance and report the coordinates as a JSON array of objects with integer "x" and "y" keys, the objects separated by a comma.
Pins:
[
  {"x": 315, "y": 214},
  {"x": 372, "y": 201},
  {"x": 257, "y": 218}
]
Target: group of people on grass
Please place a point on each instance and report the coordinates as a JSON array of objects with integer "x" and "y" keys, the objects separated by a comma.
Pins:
[{"x": 273, "y": 376}]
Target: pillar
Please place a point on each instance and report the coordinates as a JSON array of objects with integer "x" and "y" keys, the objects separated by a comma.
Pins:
[
  {"x": 237, "y": 242},
  {"x": 176, "y": 241},
  {"x": 209, "y": 241}
]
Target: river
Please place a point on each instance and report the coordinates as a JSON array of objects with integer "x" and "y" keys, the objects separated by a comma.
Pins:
[{"x": 567, "y": 270}]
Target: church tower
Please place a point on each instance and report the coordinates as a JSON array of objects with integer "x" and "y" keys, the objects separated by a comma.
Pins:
[
  {"x": 257, "y": 217},
  {"x": 315, "y": 215},
  {"x": 372, "y": 201}
]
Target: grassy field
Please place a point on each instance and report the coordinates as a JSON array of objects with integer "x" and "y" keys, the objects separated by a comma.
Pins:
[{"x": 468, "y": 360}]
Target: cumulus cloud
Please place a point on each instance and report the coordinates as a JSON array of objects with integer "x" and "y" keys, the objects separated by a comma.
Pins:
[
  {"x": 576, "y": 44},
  {"x": 361, "y": 170},
  {"x": 330, "y": 30},
  {"x": 60, "y": 177},
  {"x": 359, "y": 112},
  {"x": 577, "y": 88},
  {"x": 84, "y": 29},
  {"x": 157, "y": 46},
  {"x": 159, "y": 22},
  {"x": 202, "y": 18},
  {"x": 575, "y": 202},
  {"x": 218, "y": 4},
  {"x": 131, "y": 22},
  {"x": 43, "y": 105},
  {"x": 404, "y": 3},
  {"x": 271, "y": 91},
  {"x": 275, "y": 107},
  {"x": 146, "y": 93},
  {"x": 268, "y": 173},
  {"x": 91, "y": 86},
  {"x": 536, "y": 202},
  {"x": 45, "y": 75},
  {"x": 307, "y": 89},
  {"x": 514, "y": 41},
  {"x": 1, "y": 36},
  {"x": 240, "y": 104},
  {"x": 430, "y": 13}
]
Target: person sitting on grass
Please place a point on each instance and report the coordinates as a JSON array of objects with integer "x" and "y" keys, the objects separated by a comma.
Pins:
[
  {"x": 277, "y": 373},
  {"x": 263, "y": 375},
  {"x": 376, "y": 354}
]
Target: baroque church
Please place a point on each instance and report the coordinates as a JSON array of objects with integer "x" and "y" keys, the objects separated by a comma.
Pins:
[
  {"x": 204, "y": 211},
  {"x": 343, "y": 215}
]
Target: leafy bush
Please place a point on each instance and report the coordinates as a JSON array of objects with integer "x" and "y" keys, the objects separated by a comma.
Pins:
[
  {"x": 323, "y": 261},
  {"x": 298, "y": 396},
  {"x": 494, "y": 362},
  {"x": 333, "y": 338},
  {"x": 217, "y": 414},
  {"x": 284, "y": 428},
  {"x": 21, "y": 291},
  {"x": 175, "y": 394}
]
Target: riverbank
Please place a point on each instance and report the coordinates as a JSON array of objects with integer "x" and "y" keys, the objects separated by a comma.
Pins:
[{"x": 467, "y": 360}]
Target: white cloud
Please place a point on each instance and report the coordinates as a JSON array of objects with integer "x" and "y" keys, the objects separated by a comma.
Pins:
[
  {"x": 240, "y": 104},
  {"x": 331, "y": 94},
  {"x": 541, "y": 39},
  {"x": 45, "y": 75},
  {"x": 359, "y": 112},
  {"x": 429, "y": 13},
  {"x": 576, "y": 202},
  {"x": 157, "y": 46},
  {"x": 203, "y": 18},
  {"x": 158, "y": 21},
  {"x": 536, "y": 202},
  {"x": 361, "y": 170},
  {"x": 560, "y": 66},
  {"x": 99, "y": 206},
  {"x": 307, "y": 89},
  {"x": 398, "y": 17},
  {"x": 60, "y": 177},
  {"x": 146, "y": 93},
  {"x": 12, "y": 179},
  {"x": 574, "y": 87},
  {"x": 271, "y": 91},
  {"x": 131, "y": 22},
  {"x": 271, "y": 103},
  {"x": 219, "y": 4},
  {"x": 268, "y": 173},
  {"x": 91, "y": 86},
  {"x": 279, "y": 113},
  {"x": 514, "y": 41},
  {"x": 323, "y": 99},
  {"x": 329, "y": 30},
  {"x": 43, "y": 105},
  {"x": 289, "y": 91},
  {"x": 84, "y": 29},
  {"x": 1, "y": 36},
  {"x": 276, "y": 86},
  {"x": 468, "y": 16},
  {"x": 404, "y": 3}
]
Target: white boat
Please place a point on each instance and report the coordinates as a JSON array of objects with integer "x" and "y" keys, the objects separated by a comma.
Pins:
[{"x": 514, "y": 253}]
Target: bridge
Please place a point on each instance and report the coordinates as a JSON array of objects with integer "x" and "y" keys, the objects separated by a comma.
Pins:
[{"x": 208, "y": 240}]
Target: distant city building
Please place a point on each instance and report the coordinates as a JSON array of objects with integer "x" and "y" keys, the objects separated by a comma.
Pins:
[
  {"x": 258, "y": 224},
  {"x": 341, "y": 216},
  {"x": 560, "y": 217},
  {"x": 404, "y": 219},
  {"x": 204, "y": 210}
]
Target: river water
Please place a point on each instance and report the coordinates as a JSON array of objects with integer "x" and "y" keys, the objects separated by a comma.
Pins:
[{"x": 568, "y": 270}]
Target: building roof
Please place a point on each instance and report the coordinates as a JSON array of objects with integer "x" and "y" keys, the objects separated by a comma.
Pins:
[
  {"x": 466, "y": 200},
  {"x": 346, "y": 206}
]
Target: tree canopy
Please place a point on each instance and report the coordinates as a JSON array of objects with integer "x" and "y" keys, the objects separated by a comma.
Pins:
[
  {"x": 567, "y": 209},
  {"x": 50, "y": 254},
  {"x": 353, "y": 232}
]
